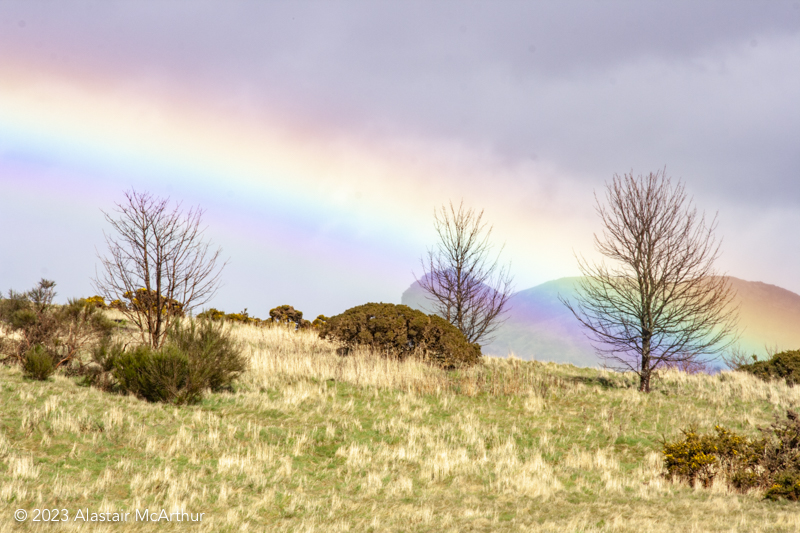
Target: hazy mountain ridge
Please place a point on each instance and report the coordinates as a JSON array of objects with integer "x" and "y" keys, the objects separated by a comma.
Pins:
[{"x": 539, "y": 326}]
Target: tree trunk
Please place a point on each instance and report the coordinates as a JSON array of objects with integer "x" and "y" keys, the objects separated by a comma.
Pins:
[{"x": 644, "y": 376}]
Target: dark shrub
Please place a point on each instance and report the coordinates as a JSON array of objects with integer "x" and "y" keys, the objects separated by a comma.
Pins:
[
  {"x": 781, "y": 460},
  {"x": 171, "y": 379},
  {"x": 38, "y": 363},
  {"x": 783, "y": 365},
  {"x": 197, "y": 356},
  {"x": 157, "y": 375},
  {"x": 445, "y": 345},
  {"x": 786, "y": 485},
  {"x": 133, "y": 372},
  {"x": 401, "y": 331},
  {"x": 215, "y": 358}
]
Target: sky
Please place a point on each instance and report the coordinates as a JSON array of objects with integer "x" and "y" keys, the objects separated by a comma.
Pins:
[{"x": 319, "y": 137}]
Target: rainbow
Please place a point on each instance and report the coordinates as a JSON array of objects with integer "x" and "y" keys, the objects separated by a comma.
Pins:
[{"x": 343, "y": 198}]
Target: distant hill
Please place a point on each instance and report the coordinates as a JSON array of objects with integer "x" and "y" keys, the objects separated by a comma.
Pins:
[{"x": 540, "y": 327}]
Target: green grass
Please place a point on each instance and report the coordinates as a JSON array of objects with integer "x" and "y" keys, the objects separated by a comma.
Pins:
[{"x": 313, "y": 442}]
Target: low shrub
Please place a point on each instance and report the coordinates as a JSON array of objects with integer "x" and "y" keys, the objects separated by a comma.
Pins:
[
  {"x": 97, "y": 301},
  {"x": 197, "y": 356},
  {"x": 284, "y": 314},
  {"x": 319, "y": 322},
  {"x": 143, "y": 298},
  {"x": 99, "y": 372},
  {"x": 215, "y": 357},
  {"x": 785, "y": 486},
  {"x": 783, "y": 365},
  {"x": 38, "y": 363},
  {"x": 781, "y": 459},
  {"x": 702, "y": 457},
  {"x": 400, "y": 331},
  {"x": 134, "y": 372},
  {"x": 243, "y": 317},
  {"x": 771, "y": 463},
  {"x": 65, "y": 332},
  {"x": 288, "y": 315},
  {"x": 212, "y": 314}
]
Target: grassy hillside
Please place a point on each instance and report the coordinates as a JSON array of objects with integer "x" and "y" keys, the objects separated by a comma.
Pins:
[{"x": 311, "y": 442}]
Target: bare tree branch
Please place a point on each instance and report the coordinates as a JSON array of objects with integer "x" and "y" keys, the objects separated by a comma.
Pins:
[
  {"x": 467, "y": 287},
  {"x": 662, "y": 304},
  {"x": 158, "y": 261}
]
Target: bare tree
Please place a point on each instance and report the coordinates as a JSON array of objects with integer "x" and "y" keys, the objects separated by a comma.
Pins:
[
  {"x": 158, "y": 261},
  {"x": 466, "y": 286},
  {"x": 662, "y": 304}
]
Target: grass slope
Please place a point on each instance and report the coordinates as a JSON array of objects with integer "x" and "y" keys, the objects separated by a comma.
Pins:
[{"x": 314, "y": 442}]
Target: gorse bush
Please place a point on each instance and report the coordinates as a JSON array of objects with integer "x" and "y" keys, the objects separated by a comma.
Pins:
[
  {"x": 783, "y": 365},
  {"x": 786, "y": 485},
  {"x": 38, "y": 363},
  {"x": 286, "y": 314},
  {"x": 319, "y": 322},
  {"x": 782, "y": 458},
  {"x": 97, "y": 301},
  {"x": 197, "y": 356},
  {"x": 242, "y": 317},
  {"x": 283, "y": 315},
  {"x": 212, "y": 314},
  {"x": 771, "y": 463},
  {"x": 144, "y": 299},
  {"x": 400, "y": 331},
  {"x": 702, "y": 457}
]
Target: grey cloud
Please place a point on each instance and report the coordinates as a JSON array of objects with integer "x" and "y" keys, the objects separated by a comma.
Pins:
[
  {"x": 707, "y": 88},
  {"x": 531, "y": 79}
]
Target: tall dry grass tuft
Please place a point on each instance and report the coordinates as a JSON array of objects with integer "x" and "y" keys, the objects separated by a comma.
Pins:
[{"x": 279, "y": 355}]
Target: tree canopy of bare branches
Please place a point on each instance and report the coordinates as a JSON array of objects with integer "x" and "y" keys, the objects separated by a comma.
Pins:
[
  {"x": 465, "y": 284},
  {"x": 662, "y": 303},
  {"x": 159, "y": 261}
]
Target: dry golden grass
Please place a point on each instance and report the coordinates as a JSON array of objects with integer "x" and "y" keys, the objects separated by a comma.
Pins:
[{"x": 311, "y": 441}]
